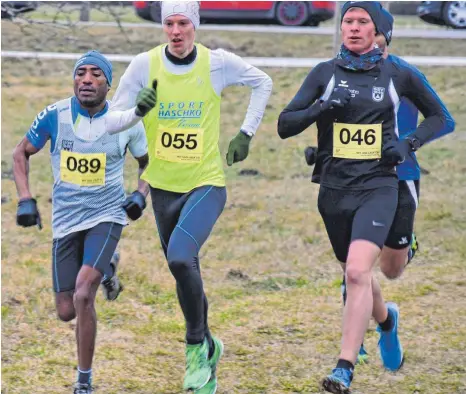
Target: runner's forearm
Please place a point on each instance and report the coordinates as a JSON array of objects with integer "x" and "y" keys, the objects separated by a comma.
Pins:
[
  {"x": 21, "y": 172},
  {"x": 436, "y": 117},
  {"x": 291, "y": 122},
  {"x": 143, "y": 186},
  {"x": 118, "y": 121},
  {"x": 305, "y": 107},
  {"x": 259, "y": 97}
]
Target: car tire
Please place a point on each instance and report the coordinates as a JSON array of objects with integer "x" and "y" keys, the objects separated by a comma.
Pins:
[
  {"x": 292, "y": 13},
  {"x": 450, "y": 14},
  {"x": 156, "y": 11}
]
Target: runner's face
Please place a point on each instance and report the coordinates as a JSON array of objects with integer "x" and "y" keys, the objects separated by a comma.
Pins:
[
  {"x": 358, "y": 31},
  {"x": 380, "y": 41},
  {"x": 180, "y": 33},
  {"x": 90, "y": 86},
  {"x": 382, "y": 44}
]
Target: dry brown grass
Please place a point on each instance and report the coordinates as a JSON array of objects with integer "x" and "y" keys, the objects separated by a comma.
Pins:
[{"x": 281, "y": 323}]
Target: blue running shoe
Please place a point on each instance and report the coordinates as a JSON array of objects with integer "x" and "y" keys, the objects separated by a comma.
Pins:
[
  {"x": 363, "y": 357},
  {"x": 391, "y": 351},
  {"x": 338, "y": 382}
]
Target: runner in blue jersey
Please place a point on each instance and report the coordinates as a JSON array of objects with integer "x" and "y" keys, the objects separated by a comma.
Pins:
[
  {"x": 88, "y": 200},
  {"x": 401, "y": 243}
]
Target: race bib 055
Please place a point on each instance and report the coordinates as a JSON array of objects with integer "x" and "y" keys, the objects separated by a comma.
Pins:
[{"x": 180, "y": 145}]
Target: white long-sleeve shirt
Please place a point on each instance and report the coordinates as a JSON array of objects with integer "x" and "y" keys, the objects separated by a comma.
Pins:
[{"x": 226, "y": 69}]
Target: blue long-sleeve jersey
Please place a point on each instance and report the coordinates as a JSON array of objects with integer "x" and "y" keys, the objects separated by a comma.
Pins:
[{"x": 408, "y": 120}]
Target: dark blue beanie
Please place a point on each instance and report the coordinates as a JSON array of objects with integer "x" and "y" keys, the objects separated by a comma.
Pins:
[
  {"x": 386, "y": 25},
  {"x": 95, "y": 58},
  {"x": 373, "y": 8}
]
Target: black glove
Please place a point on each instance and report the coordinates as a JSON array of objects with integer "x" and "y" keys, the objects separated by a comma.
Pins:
[
  {"x": 310, "y": 154},
  {"x": 27, "y": 214},
  {"x": 396, "y": 152},
  {"x": 134, "y": 205},
  {"x": 339, "y": 98}
]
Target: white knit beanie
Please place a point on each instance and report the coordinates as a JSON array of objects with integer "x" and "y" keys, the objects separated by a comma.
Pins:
[{"x": 189, "y": 9}]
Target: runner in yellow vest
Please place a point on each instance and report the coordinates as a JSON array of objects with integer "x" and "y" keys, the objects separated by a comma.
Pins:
[{"x": 185, "y": 80}]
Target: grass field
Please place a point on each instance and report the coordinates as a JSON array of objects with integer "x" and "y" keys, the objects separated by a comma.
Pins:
[{"x": 268, "y": 269}]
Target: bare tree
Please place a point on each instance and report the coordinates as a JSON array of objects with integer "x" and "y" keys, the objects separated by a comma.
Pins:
[{"x": 58, "y": 19}]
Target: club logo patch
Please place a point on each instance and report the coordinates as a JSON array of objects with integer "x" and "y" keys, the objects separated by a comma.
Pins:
[
  {"x": 378, "y": 94},
  {"x": 67, "y": 145}
]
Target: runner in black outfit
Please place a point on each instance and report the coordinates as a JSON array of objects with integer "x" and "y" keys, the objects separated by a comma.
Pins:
[
  {"x": 401, "y": 244},
  {"x": 354, "y": 99}
]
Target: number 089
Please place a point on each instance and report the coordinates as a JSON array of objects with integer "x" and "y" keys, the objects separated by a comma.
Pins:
[{"x": 83, "y": 165}]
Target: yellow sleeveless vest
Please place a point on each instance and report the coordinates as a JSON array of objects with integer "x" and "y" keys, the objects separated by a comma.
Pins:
[{"x": 183, "y": 129}]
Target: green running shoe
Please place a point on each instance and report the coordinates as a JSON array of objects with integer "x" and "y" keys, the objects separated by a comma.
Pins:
[
  {"x": 218, "y": 353},
  {"x": 198, "y": 369},
  {"x": 413, "y": 248},
  {"x": 363, "y": 357},
  {"x": 211, "y": 386}
]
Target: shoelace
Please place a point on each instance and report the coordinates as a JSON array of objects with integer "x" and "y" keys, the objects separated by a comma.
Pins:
[
  {"x": 109, "y": 284},
  {"x": 342, "y": 375}
]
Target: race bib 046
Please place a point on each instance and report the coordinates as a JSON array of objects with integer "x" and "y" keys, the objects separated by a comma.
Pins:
[
  {"x": 180, "y": 145},
  {"x": 357, "y": 141},
  {"x": 83, "y": 169}
]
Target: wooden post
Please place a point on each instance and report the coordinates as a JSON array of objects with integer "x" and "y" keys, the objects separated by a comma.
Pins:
[
  {"x": 336, "y": 34},
  {"x": 85, "y": 13}
]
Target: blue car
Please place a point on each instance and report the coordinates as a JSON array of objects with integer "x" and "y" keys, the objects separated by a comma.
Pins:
[{"x": 444, "y": 13}]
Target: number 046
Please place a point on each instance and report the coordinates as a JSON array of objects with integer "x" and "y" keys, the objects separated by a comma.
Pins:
[{"x": 368, "y": 138}]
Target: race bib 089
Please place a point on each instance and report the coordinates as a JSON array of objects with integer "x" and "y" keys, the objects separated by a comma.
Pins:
[
  {"x": 357, "y": 141},
  {"x": 180, "y": 145},
  {"x": 83, "y": 169}
]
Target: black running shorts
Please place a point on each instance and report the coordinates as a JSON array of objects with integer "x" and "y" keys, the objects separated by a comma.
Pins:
[{"x": 350, "y": 215}]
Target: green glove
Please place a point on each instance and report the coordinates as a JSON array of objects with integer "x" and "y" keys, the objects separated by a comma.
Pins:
[
  {"x": 239, "y": 148},
  {"x": 146, "y": 99}
]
